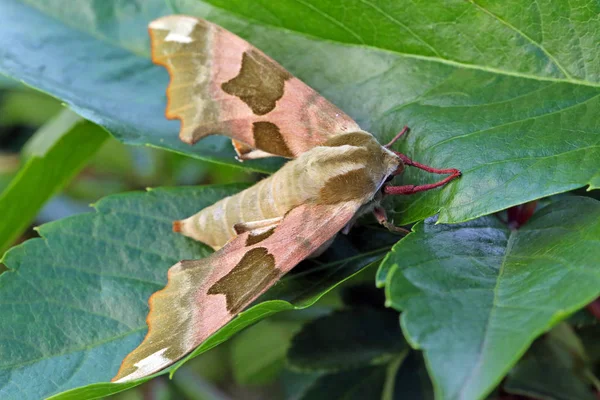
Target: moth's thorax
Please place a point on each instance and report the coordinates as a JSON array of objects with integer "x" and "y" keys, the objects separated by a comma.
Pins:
[{"x": 368, "y": 165}]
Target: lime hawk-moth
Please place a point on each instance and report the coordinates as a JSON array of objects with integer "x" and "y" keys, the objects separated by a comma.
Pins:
[{"x": 220, "y": 84}]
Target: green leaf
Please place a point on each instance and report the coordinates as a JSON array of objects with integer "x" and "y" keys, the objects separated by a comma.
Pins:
[
  {"x": 258, "y": 353},
  {"x": 475, "y": 295},
  {"x": 552, "y": 369},
  {"x": 357, "y": 384},
  {"x": 491, "y": 99},
  {"x": 526, "y": 45},
  {"x": 75, "y": 301},
  {"x": 509, "y": 94},
  {"x": 54, "y": 154},
  {"x": 348, "y": 338},
  {"x": 95, "y": 57}
]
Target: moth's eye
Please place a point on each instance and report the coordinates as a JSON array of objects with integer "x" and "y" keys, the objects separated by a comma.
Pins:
[{"x": 389, "y": 178}]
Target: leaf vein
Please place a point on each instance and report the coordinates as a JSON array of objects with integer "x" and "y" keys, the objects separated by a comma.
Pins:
[
  {"x": 331, "y": 19},
  {"x": 400, "y": 24},
  {"x": 525, "y": 36},
  {"x": 513, "y": 122}
]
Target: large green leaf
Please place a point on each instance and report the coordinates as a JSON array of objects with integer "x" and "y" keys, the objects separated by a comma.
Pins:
[
  {"x": 475, "y": 295},
  {"x": 483, "y": 90},
  {"x": 74, "y": 302},
  {"x": 454, "y": 32},
  {"x": 508, "y": 93},
  {"x": 53, "y": 156}
]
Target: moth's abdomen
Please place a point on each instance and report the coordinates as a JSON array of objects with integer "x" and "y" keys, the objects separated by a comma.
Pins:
[{"x": 270, "y": 198}]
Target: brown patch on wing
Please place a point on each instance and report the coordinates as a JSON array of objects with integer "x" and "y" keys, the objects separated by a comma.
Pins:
[
  {"x": 259, "y": 84},
  {"x": 356, "y": 155},
  {"x": 268, "y": 138},
  {"x": 352, "y": 185},
  {"x": 259, "y": 237},
  {"x": 358, "y": 139},
  {"x": 255, "y": 271}
]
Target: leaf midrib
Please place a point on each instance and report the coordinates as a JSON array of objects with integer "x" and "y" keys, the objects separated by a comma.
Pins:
[{"x": 484, "y": 342}]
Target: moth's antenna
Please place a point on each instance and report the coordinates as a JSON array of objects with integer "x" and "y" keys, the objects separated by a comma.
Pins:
[{"x": 395, "y": 139}]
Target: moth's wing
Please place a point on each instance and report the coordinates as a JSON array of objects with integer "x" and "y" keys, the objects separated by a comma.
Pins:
[
  {"x": 221, "y": 84},
  {"x": 203, "y": 295}
]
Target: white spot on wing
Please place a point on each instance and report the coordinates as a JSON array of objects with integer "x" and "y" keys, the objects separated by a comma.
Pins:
[
  {"x": 180, "y": 28},
  {"x": 150, "y": 364}
]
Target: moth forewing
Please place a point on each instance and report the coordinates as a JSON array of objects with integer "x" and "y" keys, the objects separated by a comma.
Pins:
[
  {"x": 221, "y": 84},
  {"x": 203, "y": 295}
]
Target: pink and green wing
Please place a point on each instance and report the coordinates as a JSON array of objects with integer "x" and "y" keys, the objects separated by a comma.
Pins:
[
  {"x": 201, "y": 296},
  {"x": 221, "y": 84}
]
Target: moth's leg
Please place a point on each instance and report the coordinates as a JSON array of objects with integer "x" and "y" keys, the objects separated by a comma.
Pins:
[
  {"x": 245, "y": 152},
  {"x": 454, "y": 173},
  {"x": 381, "y": 217},
  {"x": 257, "y": 226},
  {"x": 395, "y": 139},
  {"x": 410, "y": 189}
]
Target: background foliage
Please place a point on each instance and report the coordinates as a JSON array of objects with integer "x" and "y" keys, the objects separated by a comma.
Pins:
[{"x": 487, "y": 299}]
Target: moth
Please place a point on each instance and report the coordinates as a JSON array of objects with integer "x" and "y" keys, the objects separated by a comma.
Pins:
[{"x": 220, "y": 84}]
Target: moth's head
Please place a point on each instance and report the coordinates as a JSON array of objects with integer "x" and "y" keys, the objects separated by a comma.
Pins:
[{"x": 392, "y": 165}]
